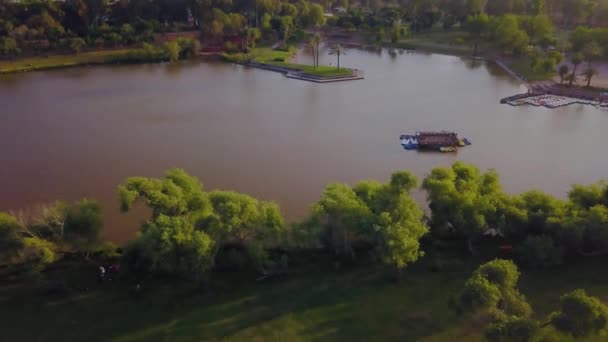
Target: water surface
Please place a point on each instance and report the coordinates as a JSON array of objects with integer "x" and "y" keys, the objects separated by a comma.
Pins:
[{"x": 68, "y": 134}]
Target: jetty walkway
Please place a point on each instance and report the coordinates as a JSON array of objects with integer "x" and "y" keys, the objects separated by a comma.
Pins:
[{"x": 552, "y": 95}]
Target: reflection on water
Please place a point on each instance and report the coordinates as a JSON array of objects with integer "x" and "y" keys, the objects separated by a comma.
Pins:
[{"x": 68, "y": 134}]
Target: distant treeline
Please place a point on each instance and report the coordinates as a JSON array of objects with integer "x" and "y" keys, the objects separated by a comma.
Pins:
[{"x": 46, "y": 25}]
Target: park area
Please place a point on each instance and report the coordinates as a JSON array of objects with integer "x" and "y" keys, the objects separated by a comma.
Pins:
[
  {"x": 281, "y": 58},
  {"x": 311, "y": 303}
]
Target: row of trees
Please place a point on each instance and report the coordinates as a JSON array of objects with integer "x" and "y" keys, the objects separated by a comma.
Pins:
[
  {"x": 510, "y": 33},
  {"x": 491, "y": 294},
  {"x": 586, "y": 45},
  {"x": 425, "y": 14},
  {"x": 35, "y": 239},
  {"x": 189, "y": 227},
  {"x": 38, "y": 25}
]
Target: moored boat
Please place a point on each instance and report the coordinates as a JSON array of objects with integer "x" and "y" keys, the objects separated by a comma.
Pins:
[{"x": 443, "y": 141}]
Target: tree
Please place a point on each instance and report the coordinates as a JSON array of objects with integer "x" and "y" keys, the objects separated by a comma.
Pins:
[
  {"x": 563, "y": 71},
  {"x": 252, "y": 35},
  {"x": 580, "y": 315},
  {"x": 113, "y": 39},
  {"x": 77, "y": 44},
  {"x": 476, "y": 26},
  {"x": 176, "y": 194},
  {"x": 539, "y": 252},
  {"x": 589, "y": 73},
  {"x": 11, "y": 242},
  {"x": 188, "y": 47},
  {"x": 83, "y": 224},
  {"x": 577, "y": 59},
  {"x": 493, "y": 288},
  {"x": 510, "y": 36},
  {"x": 128, "y": 33},
  {"x": 337, "y": 50},
  {"x": 194, "y": 225},
  {"x": 316, "y": 16},
  {"x": 37, "y": 253},
  {"x": 8, "y": 47},
  {"x": 465, "y": 202},
  {"x": 382, "y": 217},
  {"x": 591, "y": 51},
  {"x": 286, "y": 26},
  {"x": 171, "y": 245},
  {"x": 313, "y": 47}
]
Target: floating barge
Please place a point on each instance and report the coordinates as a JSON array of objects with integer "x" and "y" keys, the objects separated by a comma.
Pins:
[{"x": 442, "y": 141}]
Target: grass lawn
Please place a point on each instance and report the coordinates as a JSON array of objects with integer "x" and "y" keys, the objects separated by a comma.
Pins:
[
  {"x": 524, "y": 68},
  {"x": 450, "y": 42},
  {"x": 281, "y": 58},
  {"x": 312, "y": 304},
  {"x": 58, "y": 61},
  {"x": 321, "y": 70}
]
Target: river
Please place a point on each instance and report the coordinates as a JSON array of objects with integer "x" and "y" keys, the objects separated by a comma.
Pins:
[{"x": 74, "y": 133}]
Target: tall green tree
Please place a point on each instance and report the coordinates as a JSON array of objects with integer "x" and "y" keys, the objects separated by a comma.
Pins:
[
  {"x": 577, "y": 59},
  {"x": 381, "y": 216},
  {"x": 171, "y": 245},
  {"x": 563, "y": 71},
  {"x": 177, "y": 194},
  {"x": 477, "y": 26},
  {"x": 82, "y": 226},
  {"x": 11, "y": 241}
]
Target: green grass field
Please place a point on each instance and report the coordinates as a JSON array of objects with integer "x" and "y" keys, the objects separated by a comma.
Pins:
[
  {"x": 312, "y": 304},
  {"x": 58, "y": 61}
]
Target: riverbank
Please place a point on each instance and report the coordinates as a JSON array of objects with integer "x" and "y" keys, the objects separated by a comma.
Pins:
[{"x": 62, "y": 61}]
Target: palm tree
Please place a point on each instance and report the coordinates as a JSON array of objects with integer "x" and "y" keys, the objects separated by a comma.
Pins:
[
  {"x": 313, "y": 48},
  {"x": 563, "y": 71},
  {"x": 337, "y": 50},
  {"x": 310, "y": 47},
  {"x": 316, "y": 40},
  {"x": 589, "y": 73},
  {"x": 571, "y": 78},
  {"x": 577, "y": 59}
]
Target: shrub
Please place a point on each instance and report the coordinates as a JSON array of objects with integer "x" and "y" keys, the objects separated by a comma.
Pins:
[
  {"x": 8, "y": 47},
  {"x": 77, "y": 44},
  {"x": 512, "y": 329},
  {"x": 230, "y": 47},
  {"x": 580, "y": 314},
  {"x": 188, "y": 47}
]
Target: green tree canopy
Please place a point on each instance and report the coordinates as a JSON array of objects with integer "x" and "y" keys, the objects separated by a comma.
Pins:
[
  {"x": 176, "y": 194},
  {"x": 171, "y": 245},
  {"x": 580, "y": 314},
  {"x": 493, "y": 288},
  {"x": 512, "y": 329},
  {"x": 382, "y": 216},
  {"x": 83, "y": 224},
  {"x": 206, "y": 221},
  {"x": 10, "y": 239}
]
